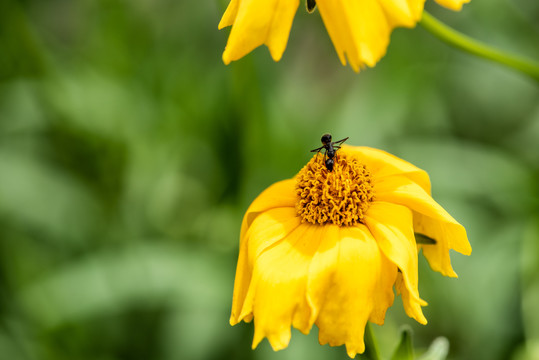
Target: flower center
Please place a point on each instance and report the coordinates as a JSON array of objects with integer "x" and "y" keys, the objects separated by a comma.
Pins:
[{"x": 339, "y": 197}]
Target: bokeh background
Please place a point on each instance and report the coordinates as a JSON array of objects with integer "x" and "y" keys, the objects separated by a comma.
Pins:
[{"x": 129, "y": 153}]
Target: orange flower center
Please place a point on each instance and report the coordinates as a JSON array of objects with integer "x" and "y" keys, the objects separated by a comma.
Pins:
[{"x": 339, "y": 197}]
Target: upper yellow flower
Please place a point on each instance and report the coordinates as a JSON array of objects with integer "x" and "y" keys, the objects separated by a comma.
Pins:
[
  {"x": 327, "y": 247},
  {"x": 359, "y": 29}
]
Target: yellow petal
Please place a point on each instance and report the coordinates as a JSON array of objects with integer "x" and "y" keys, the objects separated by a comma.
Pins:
[
  {"x": 400, "y": 190},
  {"x": 400, "y": 13},
  {"x": 277, "y": 290},
  {"x": 359, "y": 30},
  {"x": 407, "y": 301},
  {"x": 230, "y": 14},
  {"x": 268, "y": 228},
  {"x": 452, "y": 4},
  {"x": 416, "y": 7},
  {"x": 280, "y": 194},
  {"x": 338, "y": 28},
  {"x": 382, "y": 164},
  {"x": 259, "y": 22},
  {"x": 436, "y": 254},
  {"x": 350, "y": 282},
  {"x": 391, "y": 226},
  {"x": 278, "y": 224}
]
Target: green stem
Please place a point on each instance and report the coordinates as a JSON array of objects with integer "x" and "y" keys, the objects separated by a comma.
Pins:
[
  {"x": 463, "y": 42},
  {"x": 371, "y": 347}
]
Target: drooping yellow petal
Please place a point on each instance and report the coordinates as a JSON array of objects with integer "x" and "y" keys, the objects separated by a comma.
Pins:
[
  {"x": 258, "y": 22},
  {"x": 436, "y": 254},
  {"x": 455, "y": 5},
  {"x": 407, "y": 300},
  {"x": 401, "y": 13},
  {"x": 230, "y": 14},
  {"x": 436, "y": 222},
  {"x": 391, "y": 226},
  {"x": 269, "y": 227},
  {"x": 416, "y": 7},
  {"x": 339, "y": 30},
  {"x": 350, "y": 282},
  {"x": 359, "y": 30},
  {"x": 370, "y": 29},
  {"x": 280, "y": 194},
  {"x": 401, "y": 190},
  {"x": 382, "y": 164},
  {"x": 276, "y": 295}
]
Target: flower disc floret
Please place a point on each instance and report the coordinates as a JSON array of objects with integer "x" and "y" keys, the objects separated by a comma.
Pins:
[{"x": 339, "y": 197}]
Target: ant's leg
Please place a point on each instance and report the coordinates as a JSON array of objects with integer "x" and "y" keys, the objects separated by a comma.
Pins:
[{"x": 340, "y": 141}]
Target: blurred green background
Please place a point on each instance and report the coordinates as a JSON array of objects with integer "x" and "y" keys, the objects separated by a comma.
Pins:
[{"x": 129, "y": 153}]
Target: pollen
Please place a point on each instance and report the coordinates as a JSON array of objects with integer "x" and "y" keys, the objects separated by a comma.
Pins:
[{"x": 339, "y": 197}]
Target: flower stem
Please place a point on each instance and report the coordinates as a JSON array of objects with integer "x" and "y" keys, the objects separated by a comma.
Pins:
[
  {"x": 371, "y": 347},
  {"x": 463, "y": 42}
]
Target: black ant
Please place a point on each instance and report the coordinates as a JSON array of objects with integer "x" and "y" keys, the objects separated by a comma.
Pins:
[{"x": 331, "y": 148}]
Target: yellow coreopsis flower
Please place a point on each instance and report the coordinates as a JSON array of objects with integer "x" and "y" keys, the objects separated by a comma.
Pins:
[
  {"x": 327, "y": 247},
  {"x": 359, "y": 29}
]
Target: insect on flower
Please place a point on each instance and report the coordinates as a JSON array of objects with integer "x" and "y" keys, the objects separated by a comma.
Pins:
[{"x": 331, "y": 148}]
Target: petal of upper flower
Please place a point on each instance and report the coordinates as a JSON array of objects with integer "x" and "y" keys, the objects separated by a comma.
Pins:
[
  {"x": 337, "y": 25},
  {"x": 416, "y": 7},
  {"x": 452, "y": 4},
  {"x": 280, "y": 194},
  {"x": 359, "y": 30},
  {"x": 392, "y": 227},
  {"x": 350, "y": 282},
  {"x": 402, "y": 12},
  {"x": 276, "y": 294},
  {"x": 257, "y": 22},
  {"x": 429, "y": 219},
  {"x": 268, "y": 228},
  {"x": 382, "y": 164},
  {"x": 230, "y": 14}
]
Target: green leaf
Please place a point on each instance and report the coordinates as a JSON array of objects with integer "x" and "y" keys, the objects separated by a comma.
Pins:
[
  {"x": 405, "y": 350},
  {"x": 424, "y": 239}
]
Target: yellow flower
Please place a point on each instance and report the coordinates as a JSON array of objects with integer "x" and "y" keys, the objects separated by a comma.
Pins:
[
  {"x": 359, "y": 29},
  {"x": 327, "y": 247}
]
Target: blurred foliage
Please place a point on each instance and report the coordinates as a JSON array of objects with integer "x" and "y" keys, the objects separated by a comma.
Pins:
[{"x": 129, "y": 152}]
